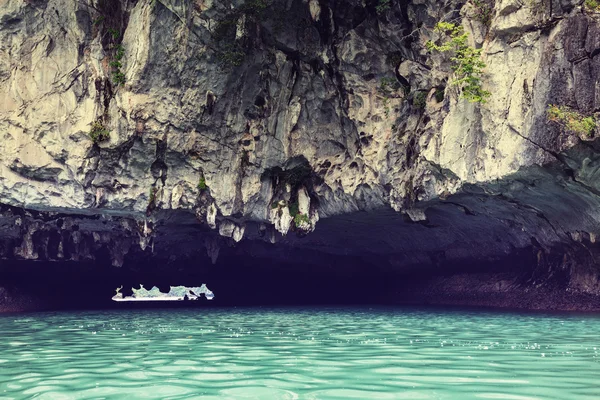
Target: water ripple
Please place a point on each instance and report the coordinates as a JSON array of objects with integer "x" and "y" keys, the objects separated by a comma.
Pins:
[{"x": 298, "y": 354}]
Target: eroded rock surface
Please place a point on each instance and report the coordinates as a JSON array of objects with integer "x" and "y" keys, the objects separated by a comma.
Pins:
[{"x": 323, "y": 127}]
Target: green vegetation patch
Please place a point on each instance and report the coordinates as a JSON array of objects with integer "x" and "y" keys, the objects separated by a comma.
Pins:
[
  {"x": 114, "y": 33},
  {"x": 482, "y": 11},
  {"x": 229, "y": 50},
  {"x": 151, "y": 200},
  {"x": 439, "y": 95},
  {"x": 301, "y": 219},
  {"x": 202, "y": 183},
  {"x": 99, "y": 20},
  {"x": 420, "y": 100},
  {"x": 389, "y": 86},
  {"x": 466, "y": 61},
  {"x": 572, "y": 120},
  {"x": 98, "y": 132},
  {"x": 592, "y": 5},
  {"x": 231, "y": 55},
  {"x": 294, "y": 209},
  {"x": 117, "y": 74}
]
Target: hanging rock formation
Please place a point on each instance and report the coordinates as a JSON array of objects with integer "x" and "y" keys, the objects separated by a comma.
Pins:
[{"x": 320, "y": 132}]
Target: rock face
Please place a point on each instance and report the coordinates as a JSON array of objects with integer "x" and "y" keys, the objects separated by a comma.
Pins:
[{"x": 318, "y": 130}]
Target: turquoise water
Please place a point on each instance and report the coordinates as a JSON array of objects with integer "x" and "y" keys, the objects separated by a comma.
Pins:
[{"x": 293, "y": 353}]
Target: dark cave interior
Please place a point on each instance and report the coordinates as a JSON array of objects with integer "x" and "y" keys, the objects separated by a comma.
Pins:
[
  {"x": 71, "y": 285},
  {"x": 242, "y": 282}
]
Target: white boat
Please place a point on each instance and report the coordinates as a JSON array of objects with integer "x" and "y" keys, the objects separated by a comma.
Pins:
[{"x": 176, "y": 293}]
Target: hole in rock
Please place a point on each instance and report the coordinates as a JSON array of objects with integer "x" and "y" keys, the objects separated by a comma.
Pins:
[
  {"x": 260, "y": 101},
  {"x": 403, "y": 81}
]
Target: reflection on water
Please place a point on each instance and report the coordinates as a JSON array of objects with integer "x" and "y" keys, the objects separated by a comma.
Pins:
[{"x": 298, "y": 354}]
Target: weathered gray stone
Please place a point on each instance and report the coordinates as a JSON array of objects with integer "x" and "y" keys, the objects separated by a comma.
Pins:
[{"x": 299, "y": 103}]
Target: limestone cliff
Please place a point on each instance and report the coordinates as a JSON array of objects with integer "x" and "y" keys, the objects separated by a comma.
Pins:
[{"x": 172, "y": 129}]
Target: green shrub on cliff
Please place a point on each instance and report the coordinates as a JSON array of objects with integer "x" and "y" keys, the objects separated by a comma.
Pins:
[
  {"x": 301, "y": 221},
  {"x": 439, "y": 95},
  {"x": 202, "y": 183},
  {"x": 294, "y": 208},
  {"x": 482, "y": 11},
  {"x": 114, "y": 33},
  {"x": 98, "y": 132},
  {"x": 118, "y": 75},
  {"x": 388, "y": 85},
  {"x": 592, "y": 5},
  {"x": 572, "y": 120},
  {"x": 151, "y": 200},
  {"x": 466, "y": 61},
  {"x": 420, "y": 100},
  {"x": 230, "y": 49},
  {"x": 231, "y": 56}
]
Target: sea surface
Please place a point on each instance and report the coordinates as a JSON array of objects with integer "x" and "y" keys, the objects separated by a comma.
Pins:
[{"x": 299, "y": 353}]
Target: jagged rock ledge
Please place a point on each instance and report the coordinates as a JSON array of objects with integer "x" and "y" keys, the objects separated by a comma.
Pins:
[{"x": 529, "y": 240}]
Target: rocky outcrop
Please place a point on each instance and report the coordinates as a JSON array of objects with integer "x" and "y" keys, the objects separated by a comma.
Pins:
[{"x": 173, "y": 130}]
